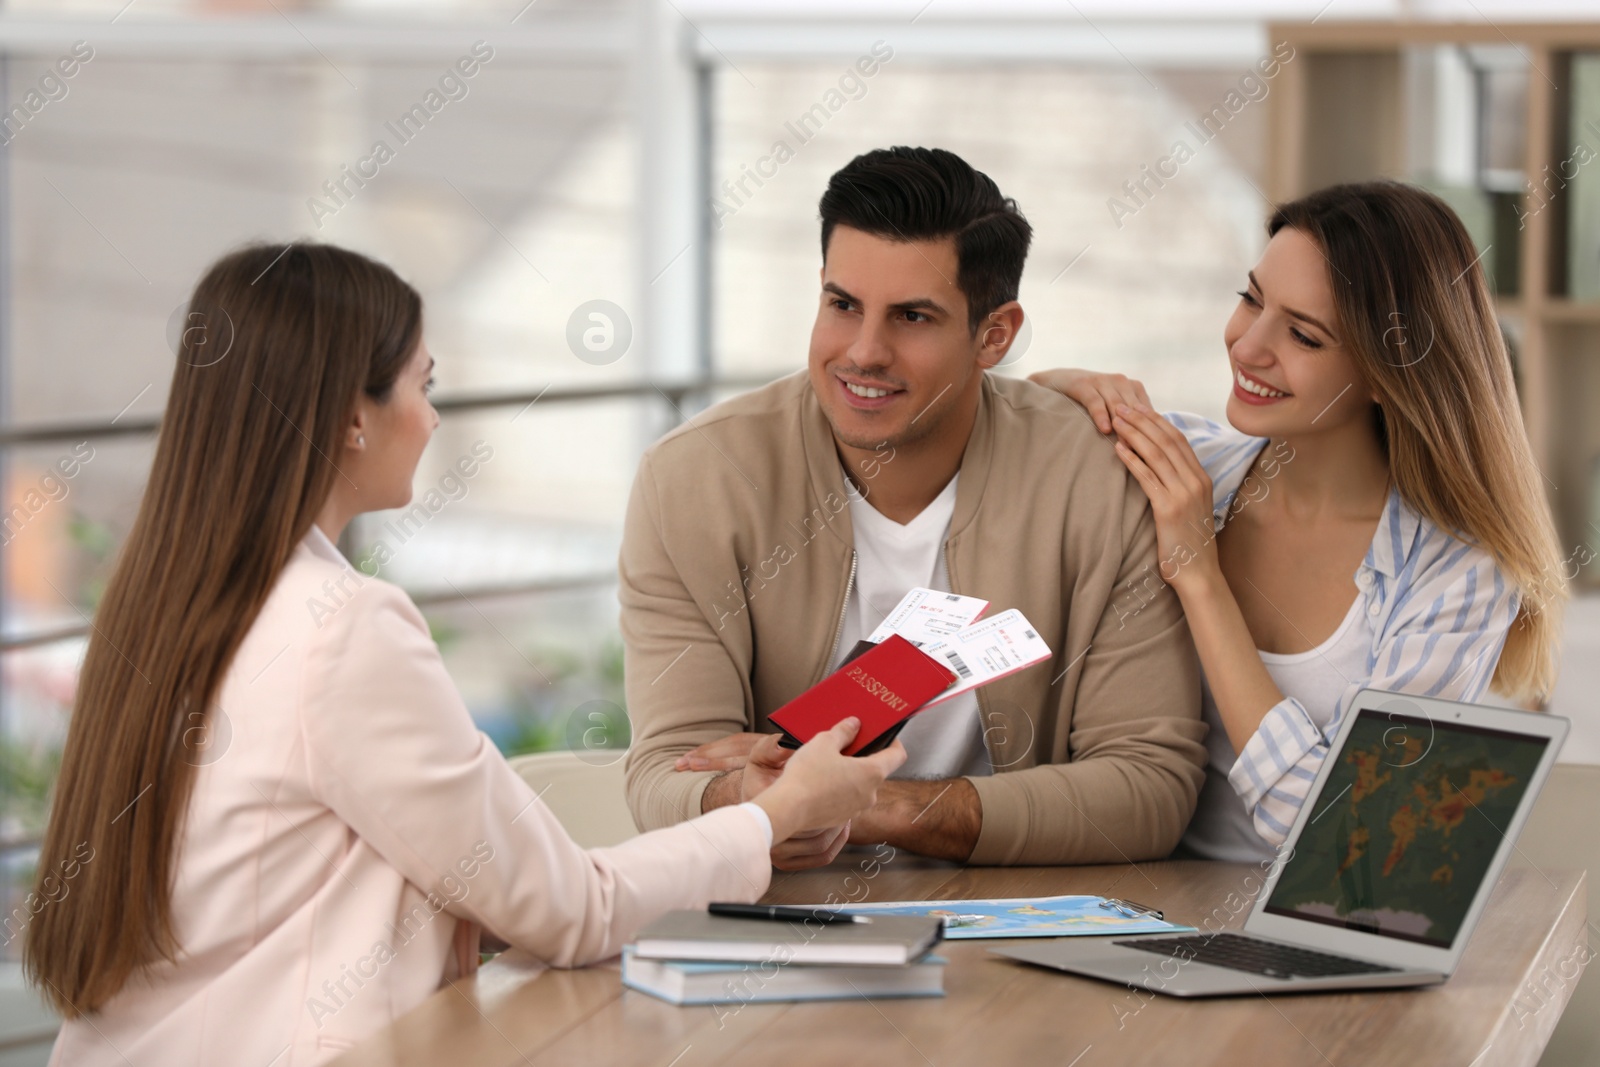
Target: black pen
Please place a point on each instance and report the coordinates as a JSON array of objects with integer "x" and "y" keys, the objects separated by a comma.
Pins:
[
  {"x": 783, "y": 914},
  {"x": 1132, "y": 908}
]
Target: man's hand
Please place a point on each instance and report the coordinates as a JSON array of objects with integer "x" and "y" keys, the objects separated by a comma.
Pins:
[
  {"x": 934, "y": 818},
  {"x": 724, "y": 754},
  {"x": 762, "y": 767},
  {"x": 729, "y": 755}
]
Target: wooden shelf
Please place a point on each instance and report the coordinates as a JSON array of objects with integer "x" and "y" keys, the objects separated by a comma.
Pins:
[
  {"x": 1560, "y": 309},
  {"x": 1338, "y": 112},
  {"x": 1364, "y": 34}
]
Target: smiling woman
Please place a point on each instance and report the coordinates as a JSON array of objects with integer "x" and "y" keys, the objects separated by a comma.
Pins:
[
  {"x": 1407, "y": 546},
  {"x": 1305, "y": 307}
]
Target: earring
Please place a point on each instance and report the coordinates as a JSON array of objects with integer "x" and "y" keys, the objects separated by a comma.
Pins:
[{"x": 361, "y": 442}]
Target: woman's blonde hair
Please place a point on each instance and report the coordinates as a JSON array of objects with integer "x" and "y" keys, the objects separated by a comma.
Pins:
[{"x": 1415, "y": 312}]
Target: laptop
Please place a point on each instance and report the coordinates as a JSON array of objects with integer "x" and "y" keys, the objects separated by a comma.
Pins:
[{"x": 1384, "y": 874}]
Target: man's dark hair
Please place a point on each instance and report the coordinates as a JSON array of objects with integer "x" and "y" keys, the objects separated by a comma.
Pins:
[{"x": 924, "y": 194}]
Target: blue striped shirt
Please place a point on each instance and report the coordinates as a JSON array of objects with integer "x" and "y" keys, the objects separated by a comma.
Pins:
[{"x": 1439, "y": 608}]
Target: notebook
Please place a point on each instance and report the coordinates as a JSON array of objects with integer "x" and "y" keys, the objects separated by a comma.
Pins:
[
  {"x": 888, "y": 941},
  {"x": 711, "y": 982}
]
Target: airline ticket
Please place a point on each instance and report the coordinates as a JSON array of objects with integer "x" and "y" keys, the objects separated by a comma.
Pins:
[
  {"x": 987, "y": 650},
  {"x": 925, "y": 616}
]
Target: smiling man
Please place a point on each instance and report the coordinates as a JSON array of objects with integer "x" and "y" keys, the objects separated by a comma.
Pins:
[{"x": 773, "y": 531}]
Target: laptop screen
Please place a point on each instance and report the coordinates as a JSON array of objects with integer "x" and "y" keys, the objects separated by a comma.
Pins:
[{"x": 1406, "y": 827}]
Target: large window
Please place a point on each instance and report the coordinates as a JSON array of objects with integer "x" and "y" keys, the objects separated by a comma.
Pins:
[
  {"x": 557, "y": 187},
  {"x": 506, "y": 190},
  {"x": 1140, "y": 283}
]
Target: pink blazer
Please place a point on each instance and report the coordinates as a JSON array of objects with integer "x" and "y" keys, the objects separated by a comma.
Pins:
[{"x": 348, "y": 828}]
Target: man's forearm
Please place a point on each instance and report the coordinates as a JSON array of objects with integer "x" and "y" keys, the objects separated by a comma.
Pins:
[
  {"x": 940, "y": 818},
  {"x": 722, "y": 790}
]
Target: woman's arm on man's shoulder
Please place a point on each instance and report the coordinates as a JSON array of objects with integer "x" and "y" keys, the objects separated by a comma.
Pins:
[{"x": 1222, "y": 450}]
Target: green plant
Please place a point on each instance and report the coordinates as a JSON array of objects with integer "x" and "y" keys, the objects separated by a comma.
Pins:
[{"x": 26, "y": 777}]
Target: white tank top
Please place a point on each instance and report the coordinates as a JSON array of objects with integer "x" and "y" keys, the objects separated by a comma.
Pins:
[{"x": 1222, "y": 828}]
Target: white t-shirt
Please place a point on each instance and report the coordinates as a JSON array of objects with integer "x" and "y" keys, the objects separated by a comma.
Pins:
[
  {"x": 891, "y": 560},
  {"x": 1222, "y": 828}
]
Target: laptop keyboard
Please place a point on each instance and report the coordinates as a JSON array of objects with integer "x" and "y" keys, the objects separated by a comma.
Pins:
[{"x": 1240, "y": 953}]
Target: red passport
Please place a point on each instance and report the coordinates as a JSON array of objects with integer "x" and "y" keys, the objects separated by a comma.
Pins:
[{"x": 883, "y": 686}]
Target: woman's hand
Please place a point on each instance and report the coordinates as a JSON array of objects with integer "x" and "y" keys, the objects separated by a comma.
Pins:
[
  {"x": 1165, "y": 466},
  {"x": 759, "y": 770},
  {"x": 815, "y": 786},
  {"x": 1100, "y": 394}
]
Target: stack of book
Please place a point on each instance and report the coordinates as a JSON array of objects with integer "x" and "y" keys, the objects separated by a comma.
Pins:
[{"x": 693, "y": 957}]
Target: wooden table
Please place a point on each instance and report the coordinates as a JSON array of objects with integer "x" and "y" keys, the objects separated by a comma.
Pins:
[{"x": 1500, "y": 1007}]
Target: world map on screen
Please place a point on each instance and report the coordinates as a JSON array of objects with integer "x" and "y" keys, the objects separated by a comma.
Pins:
[{"x": 1406, "y": 827}]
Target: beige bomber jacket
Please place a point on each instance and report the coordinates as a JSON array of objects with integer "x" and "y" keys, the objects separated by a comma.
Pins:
[{"x": 736, "y": 562}]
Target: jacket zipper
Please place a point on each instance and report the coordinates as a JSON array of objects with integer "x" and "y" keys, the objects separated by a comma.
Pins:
[{"x": 838, "y": 631}]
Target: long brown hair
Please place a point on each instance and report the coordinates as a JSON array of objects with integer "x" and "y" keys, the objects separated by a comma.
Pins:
[
  {"x": 277, "y": 346},
  {"x": 1415, "y": 312}
]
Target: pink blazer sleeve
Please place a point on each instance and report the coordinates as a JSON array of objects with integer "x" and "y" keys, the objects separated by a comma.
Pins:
[{"x": 393, "y": 751}]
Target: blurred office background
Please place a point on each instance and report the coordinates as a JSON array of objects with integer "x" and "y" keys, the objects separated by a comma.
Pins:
[{"x": 609, "y": 237}]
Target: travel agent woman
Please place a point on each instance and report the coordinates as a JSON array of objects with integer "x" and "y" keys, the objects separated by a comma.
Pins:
[{"x": 272, "y": 898}]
